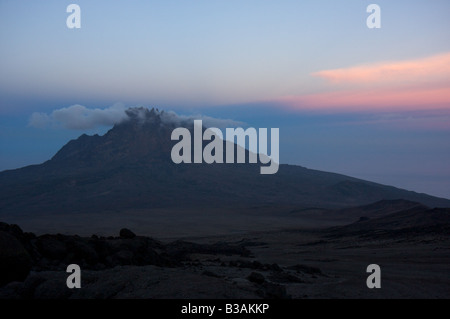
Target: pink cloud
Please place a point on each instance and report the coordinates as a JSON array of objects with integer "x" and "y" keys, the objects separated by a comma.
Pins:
[
  {"x": 431, "y": 69},
  {"x": 418, "y": 84}
]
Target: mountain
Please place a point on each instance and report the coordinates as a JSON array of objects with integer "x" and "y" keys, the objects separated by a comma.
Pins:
[
  {"x": 411, "y": 221},
  {"x": 130, "y": 167}
]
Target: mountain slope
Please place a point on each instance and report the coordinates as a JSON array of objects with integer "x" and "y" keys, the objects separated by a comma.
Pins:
[
  {"x": 412, "y": 222},
  {"x": 130, "y": 167}
]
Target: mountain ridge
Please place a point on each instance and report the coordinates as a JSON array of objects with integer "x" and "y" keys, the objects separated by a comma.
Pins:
[{"x": 130, "y": 167}]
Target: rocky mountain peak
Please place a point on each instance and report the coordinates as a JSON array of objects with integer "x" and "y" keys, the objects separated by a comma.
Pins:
[{"x": 143, "y": 136}]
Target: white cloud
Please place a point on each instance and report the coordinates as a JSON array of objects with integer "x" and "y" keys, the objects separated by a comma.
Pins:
[
  {"x": 39, "y": 120},
  {"x": 79, "y": 117}
]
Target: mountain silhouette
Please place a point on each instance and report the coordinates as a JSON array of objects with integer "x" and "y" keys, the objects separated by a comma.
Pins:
[{"x": 130, "y": 167}]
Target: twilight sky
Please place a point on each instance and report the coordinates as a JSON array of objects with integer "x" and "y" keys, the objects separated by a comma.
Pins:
[{"x": 370, "y": 103}]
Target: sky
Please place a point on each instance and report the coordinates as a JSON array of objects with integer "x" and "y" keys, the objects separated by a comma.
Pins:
[{"x": 369, "y": 103}]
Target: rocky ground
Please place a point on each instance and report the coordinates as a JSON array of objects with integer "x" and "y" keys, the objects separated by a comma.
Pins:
[
  {"x": 131, "y": 266},
  {"x": 327, "y": 263}
]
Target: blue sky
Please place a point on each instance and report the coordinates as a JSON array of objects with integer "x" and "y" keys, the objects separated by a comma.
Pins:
[{"x": 370, "y": 103}]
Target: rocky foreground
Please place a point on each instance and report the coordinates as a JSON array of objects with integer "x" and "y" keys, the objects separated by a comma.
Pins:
[
  {"x": 411, "y": 247},
  {"x": 131, "y": 266}
]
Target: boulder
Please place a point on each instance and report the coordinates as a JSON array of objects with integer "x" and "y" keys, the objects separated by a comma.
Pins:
[
  {"x": 125, "y": 233},
  {"x": 52, "y": 247},
  {"x": 256, "y": 277},
  {"x": 81, "y": 251},
  {"x": 274, "y": 291},
  {"x": 123, "y": 257},
  {"x": 15, "y": 262}
]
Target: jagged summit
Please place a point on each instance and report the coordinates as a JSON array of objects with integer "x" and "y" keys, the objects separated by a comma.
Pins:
[
  {"x": 142, "y": 116},
  {"x": 143, "y": 113},
  {"x": 143, "y": 137}
]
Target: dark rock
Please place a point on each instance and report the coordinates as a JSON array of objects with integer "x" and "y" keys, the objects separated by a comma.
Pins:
[
  {"x": 14, "y": 230},
  {"x": 42, "y": 264},
  {"x": 256, "y": 277},
  {"x": 123, "y": 257},
  {"x": 34, "y": 279},
  {"x": 210, "y": 274},
  {"x": 276, "y": 268},
  {"x": 52, "y": 247},
  {"x": 54, "y": 287},
  {"x": 250, "y": 243},
  {"x": 274, "y": 291},
  {"x": 217, "y": 260},
  {"x": 181, "y": 250},
  {"x": 251, "y": 265},
  {"x": 81, "y": 251},
  {"x": 257, "y": 265},
  {"x": 99, "y": 266},
  {"x": 143, "y": 251},
  {"x": 306, "y": 269},
  {"x": 102, "y": 247},
  {"x": 283, "y": 277},
  {"x": 245, "y": 264},
  {"x": 126, "y": 234},
  {"x": 15, "y": 262},
  {"x": 11, "y": 291},
  {"x": 24, "y": 238}
]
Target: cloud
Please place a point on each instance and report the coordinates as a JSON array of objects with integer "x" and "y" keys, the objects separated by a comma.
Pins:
[
  {"x": 169, "y": 117},
  {"x": 418, "y": 84},
  {"x": 40, "y": 120},
  {"x": 434, "y": 69},
  {"x": 79, "y": 117}
]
